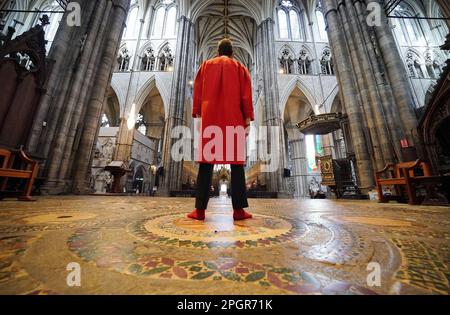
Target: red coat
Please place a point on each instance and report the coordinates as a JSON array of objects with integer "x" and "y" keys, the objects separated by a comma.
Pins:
[{"x": 223, "y": 98}]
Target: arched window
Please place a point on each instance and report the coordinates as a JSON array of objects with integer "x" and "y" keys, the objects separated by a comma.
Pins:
[
  {"x": 290, "y": 22},
  {"x": 399, "y": 31},
  {"x": 411, "y": 29},
  {"x": 124, "y": 60},
  {"x": 283, "y": 24},
  {"x": 159, "y": 22},
  {"x": 286, "y": 62},
  {"x": 165, "y": 19},
  {"x": 304, "y": 63},
  {"x": 165, "y": 59},
  {"x": 322, "y": 26},
  {"x": 295, "y": 27},
  {"x": 171, "y": 22},
  {"x": 148, "y": 60},
  {"x": 130, "y": 31},
  {"x": 326, "y": 62}
]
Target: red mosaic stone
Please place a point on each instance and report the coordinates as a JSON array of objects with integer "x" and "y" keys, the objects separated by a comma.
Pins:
[
  {"x": 151, "y": 264},
  {"x": 252, "y": 266},
  {"x": 242, "y": 270},
  {"x": 180, "y": 272},
  {"x": 275, "y": 280},
  {"x": 166, "y": 275},
  {"x": 167, "y": 261}
]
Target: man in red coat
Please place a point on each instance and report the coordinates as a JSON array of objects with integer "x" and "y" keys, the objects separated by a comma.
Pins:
[{"x": 223, "y": 101}]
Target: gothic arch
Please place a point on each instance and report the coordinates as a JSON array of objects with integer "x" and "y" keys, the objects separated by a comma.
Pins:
[
  {"x": 144, "y": 91},
  {"x": 112, "y": 108},
  {"x": 293, "y": 84},
  {"x": 149, "y": 85},
  {"x": 145, "y": 46},
  {"x": 286, "y": 59},
  {"x": 115, "y": 86},
  {"x": 165, "y": 57},
  {"x": 330, "y": 103}
]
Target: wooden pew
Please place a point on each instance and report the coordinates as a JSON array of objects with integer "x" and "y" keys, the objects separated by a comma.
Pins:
[
  {"x": 7, "y": 171},
  {"x": 404, "y": 175}
]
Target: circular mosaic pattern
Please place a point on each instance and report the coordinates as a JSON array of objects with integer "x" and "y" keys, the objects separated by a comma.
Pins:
[
  {"x": 126, "y": 258},
  {"x": 218, "y": 230}
]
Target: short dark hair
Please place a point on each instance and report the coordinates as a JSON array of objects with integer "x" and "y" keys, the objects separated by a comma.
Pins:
[{"x": 225, "y": 47}]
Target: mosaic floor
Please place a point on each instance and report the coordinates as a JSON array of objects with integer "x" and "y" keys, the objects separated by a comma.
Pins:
[{"x": 138, "y": 245}]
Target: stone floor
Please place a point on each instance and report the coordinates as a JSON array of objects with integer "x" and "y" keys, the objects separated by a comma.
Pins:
[{"x": 137, "y": 245}]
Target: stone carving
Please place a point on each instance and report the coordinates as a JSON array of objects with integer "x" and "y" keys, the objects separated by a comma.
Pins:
[{"x": 103, "y": 181}]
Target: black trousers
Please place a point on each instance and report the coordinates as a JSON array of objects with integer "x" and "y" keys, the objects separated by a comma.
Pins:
[{"x": 238, "y": 189}]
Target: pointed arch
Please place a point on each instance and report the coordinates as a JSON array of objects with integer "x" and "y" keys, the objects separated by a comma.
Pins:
[
  {"x": 295, "y": 82},
  {"x": 286, "y": 58}
]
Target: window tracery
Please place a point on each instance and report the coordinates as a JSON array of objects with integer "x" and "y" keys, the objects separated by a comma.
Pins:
[
  {"x": 165, "y": 20},
  {"x": 286, "y": 61},
  {"x": 165, "y": 59},
  {"x": 290, "y": 21},
  {"x": 304, "y": 62},
  {"x": 148, "y": 60}
]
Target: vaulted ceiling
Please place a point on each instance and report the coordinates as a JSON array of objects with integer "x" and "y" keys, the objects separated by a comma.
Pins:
[
  {"x": 237, "y": 19},
  {"x": 226, "y": 18}
]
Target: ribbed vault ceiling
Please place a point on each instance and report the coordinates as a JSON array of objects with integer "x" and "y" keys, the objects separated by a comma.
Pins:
[{"x": 226, "y": 17}]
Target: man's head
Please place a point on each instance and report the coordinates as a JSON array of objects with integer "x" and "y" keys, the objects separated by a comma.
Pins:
[{"x": 225, "y": 47}]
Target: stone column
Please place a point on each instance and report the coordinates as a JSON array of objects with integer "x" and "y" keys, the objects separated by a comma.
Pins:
[
  {"x": 267, "y": 69},
  {"x": 366, "y": 88},
  {"x": 380, "y": 82},
  {"x": 82, "y": 72},
  {"x": 300, "y": 171},
  {"x": 396, "y": 74},
  {"x": 184, "y": 63},
  {"x": 327, "y": 145},
  {"x": 348, "y": 90},
  {"x": 58, "y": 81}
]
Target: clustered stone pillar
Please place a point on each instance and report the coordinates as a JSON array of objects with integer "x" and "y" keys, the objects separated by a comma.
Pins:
[
  {"x": 267, "y": 70},
  {"x": 377, "y": 99},
  {"x": 171, "y": 178},
  {"x": 69, "y": 114},
  {"x": 300, "y": 166}
]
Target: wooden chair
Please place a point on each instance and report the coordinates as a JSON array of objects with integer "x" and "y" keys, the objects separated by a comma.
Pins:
[
  {"x": 7, "y": 171},
  {"x": 402, "y": 175}
]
